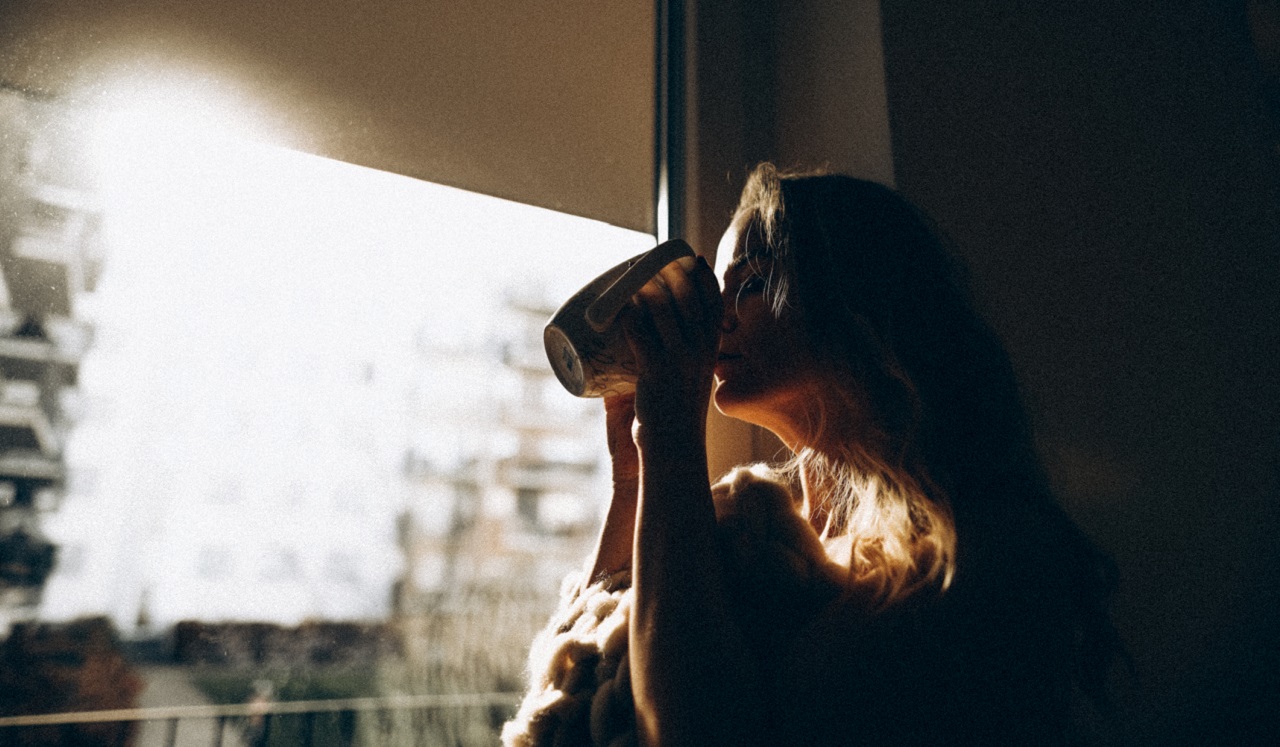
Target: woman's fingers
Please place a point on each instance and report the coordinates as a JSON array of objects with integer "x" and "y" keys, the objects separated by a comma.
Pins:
[
  {"x": 683, "y": 306},
  {"x": 697, "y": 285},
  {"x": 619, "y": 409},
  {"x": 692, "y": 314},
  {"x": 620, "y": 414},
  {"x": 664, "y": 309},
  {"x": 673, "y": 328},
  {"x": 638, "y": 330},
  {"x": 708, "y": 290}
]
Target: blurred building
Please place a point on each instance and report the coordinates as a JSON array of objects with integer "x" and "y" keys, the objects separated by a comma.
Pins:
[
  {"x": 256, "y": 383},
  {"x": 506, "y": 494},
  {"x": 50, "y": 254},
  {"x": 267, "y": 499},
  {"x": 232, "y": 460}
]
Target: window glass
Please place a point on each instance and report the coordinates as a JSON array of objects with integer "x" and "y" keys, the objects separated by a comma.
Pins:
[{"x": 317, "y": 451}]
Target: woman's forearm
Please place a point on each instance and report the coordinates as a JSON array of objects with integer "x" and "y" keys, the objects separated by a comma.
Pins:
[
  {"x": 693, "y": 679},
  {"x": 614, "y": 546}
]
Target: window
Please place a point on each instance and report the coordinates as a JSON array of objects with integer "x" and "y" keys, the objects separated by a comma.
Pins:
[
  {"x": 279, "y": 565},
  {"x": 213, "y": 564},
  {"x": 323, "y": 402},
  {"x": 342, "y": 567},
  {"x": 71, "y": 559},
  {"x": 305, "y": 411}
]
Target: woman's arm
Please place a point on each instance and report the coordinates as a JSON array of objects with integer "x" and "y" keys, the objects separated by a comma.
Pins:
[
  {"x": 692, "y": 676},
  {"x": 613, "y": 549}
]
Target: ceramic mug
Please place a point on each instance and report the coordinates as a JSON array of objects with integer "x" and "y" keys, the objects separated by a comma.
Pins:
[{"x": 584, "y": 343}]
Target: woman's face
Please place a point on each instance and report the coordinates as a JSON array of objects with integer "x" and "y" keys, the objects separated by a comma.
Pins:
[{"x": 766, "y": 372}]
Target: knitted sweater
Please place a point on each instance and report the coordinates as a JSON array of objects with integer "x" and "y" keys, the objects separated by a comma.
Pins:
[{"x": 778, "y": 574}]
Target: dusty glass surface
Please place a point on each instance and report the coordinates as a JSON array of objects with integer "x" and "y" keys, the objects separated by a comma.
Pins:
[{"x": 302, "y": 441}]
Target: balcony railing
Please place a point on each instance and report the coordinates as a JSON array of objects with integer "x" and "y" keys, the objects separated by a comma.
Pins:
[{"x": 264, "y": 715}]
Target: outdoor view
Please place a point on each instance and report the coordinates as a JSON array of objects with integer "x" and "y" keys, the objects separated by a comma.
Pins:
[{"x": 275, "y": 430}]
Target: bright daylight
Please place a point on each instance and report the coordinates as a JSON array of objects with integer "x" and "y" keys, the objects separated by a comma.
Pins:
[{"x": 314, "y": 444}]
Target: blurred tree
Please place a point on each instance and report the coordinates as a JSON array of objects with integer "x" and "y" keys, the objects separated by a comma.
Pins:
[{"x": 57, "y": 668}]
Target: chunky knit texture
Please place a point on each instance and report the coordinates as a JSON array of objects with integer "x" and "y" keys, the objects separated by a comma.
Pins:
[{"x": 580, "y": 677}]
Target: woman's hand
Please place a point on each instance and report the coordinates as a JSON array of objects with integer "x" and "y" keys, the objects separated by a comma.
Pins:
[
  {"x": 685, "y": 645},
  {"x": 673, "y": 328},
  {"x": 619, "y": 418}
]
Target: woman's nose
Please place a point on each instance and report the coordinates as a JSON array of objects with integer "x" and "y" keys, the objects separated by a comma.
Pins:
[{"x": 729, "y": 321}]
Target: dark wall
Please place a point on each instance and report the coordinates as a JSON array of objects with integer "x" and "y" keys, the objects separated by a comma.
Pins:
[{"x": 1109, "y": 172}]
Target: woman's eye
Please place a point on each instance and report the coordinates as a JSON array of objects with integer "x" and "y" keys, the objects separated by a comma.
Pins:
[{"x": 748, "y": 287}]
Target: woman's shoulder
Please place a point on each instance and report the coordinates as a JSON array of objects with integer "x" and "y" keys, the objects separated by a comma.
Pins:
[
  {"x": 775, "y": 563},
  {"x": 756, "y": 488}
]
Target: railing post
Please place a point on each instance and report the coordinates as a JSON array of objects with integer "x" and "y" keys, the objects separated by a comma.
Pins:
[
  {"x": 385, "y": 723},
  {"x": 172, "y": 738},
  {"x": 308, "y": 728},
  {"x": 219, "y": 726}
]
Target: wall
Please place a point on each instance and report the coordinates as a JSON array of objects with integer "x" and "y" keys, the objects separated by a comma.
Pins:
[
  {"x": 1109, "y": 175},
  {"x": 1105, "y": 170},
  {"x": 798, "y": 83}
]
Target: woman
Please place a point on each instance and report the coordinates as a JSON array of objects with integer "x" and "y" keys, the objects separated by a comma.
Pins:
[{"x": 905, "y": 578}]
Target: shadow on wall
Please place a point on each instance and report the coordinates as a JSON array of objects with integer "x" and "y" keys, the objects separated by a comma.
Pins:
[{"x": 1110, "y": 173}]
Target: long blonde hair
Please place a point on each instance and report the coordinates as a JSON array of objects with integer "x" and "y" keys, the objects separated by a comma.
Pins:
[
  {"x": 941, "y": 490},
  {"x": 876, "y": 494}
]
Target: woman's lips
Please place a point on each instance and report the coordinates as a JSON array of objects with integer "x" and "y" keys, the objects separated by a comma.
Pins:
[{"x": 725, "y": 360}]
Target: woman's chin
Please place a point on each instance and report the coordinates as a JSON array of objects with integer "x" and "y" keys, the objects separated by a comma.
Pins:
[
  {"x": 729, "y": 402},
  {"x": 719, "y": 398}
]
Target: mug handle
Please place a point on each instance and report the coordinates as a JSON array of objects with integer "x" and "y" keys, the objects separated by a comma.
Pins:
[{"x": 602, "y": 311}]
